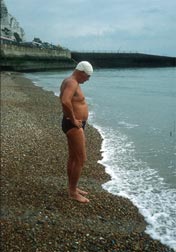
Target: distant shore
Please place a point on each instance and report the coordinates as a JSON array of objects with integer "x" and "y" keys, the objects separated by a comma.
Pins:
[{"x": 36, "y": 214}]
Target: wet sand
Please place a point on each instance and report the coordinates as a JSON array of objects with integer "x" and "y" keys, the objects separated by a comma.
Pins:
[{"x": 36, "y": 213}]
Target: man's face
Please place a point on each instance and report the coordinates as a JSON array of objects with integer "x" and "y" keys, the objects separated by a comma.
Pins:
[{"x": 84, "y": 77}]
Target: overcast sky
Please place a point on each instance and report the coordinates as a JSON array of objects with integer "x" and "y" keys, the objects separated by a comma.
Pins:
[{"x": 146, "y": 26}]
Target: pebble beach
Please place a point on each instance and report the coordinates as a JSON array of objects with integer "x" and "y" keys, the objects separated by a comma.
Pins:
[{"x": 36, "y": 213}]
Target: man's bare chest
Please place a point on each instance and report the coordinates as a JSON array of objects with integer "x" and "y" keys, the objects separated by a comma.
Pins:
[{"x": 78, "y": 96}]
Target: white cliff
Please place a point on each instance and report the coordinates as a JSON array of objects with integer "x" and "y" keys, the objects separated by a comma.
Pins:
[{"x": 10, "y": 27}]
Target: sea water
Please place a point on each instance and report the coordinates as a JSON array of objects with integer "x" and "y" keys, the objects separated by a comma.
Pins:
[{"x": 135, "y": 112}]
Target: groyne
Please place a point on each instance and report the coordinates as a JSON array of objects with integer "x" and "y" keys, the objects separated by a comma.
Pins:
[
  {"x": 121, "y": 60},
  {"x": 21, "y": 58}
]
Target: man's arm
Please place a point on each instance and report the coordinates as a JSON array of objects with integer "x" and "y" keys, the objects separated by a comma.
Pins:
[{"x": 67, "y": 92}]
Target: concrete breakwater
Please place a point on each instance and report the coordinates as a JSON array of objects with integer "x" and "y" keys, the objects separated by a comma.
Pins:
[
  {"x": 114, "y": 60},
  {"x": 21, "y": 58}
]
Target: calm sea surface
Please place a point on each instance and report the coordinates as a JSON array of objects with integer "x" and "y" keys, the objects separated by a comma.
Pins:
[{"x": 135, "y": 112}]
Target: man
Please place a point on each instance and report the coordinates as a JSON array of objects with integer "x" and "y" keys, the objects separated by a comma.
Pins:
[{"x": 75, "y": 114}]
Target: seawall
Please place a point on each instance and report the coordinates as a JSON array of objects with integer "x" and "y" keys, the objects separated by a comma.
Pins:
[
  {"x": 24, "y": 59},
  {"x": 120, "y": 60},
  {"x": 21, "y": 58}
]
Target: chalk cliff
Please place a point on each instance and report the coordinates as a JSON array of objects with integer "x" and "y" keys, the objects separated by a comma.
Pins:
[{"x": 10, "y": 27}]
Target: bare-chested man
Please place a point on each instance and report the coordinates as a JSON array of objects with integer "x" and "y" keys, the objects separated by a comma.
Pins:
[{"x": 75, "y": 112}]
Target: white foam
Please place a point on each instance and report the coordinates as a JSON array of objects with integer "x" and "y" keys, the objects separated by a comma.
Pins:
[
  {"x": 57, "y": 94},
  {"x": 128, "y": 125},
  {"x": 135, "y": 180}
]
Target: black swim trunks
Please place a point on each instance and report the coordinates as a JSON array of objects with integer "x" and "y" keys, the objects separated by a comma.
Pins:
[{"x": 67, "y": 124}]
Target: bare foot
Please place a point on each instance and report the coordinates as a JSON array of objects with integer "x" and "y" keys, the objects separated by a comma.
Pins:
[
  {"x": 78, "y": 197},
  {"x": 81, "y": 191}
]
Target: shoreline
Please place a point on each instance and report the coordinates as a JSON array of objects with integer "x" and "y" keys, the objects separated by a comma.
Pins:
[{"x": 36, "y": 212}]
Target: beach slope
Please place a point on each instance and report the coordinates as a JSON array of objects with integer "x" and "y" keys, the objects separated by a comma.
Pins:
[{"x": 36, "y": 214}]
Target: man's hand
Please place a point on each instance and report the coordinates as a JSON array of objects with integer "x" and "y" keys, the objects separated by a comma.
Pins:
[{"x": 77, "y": 123}]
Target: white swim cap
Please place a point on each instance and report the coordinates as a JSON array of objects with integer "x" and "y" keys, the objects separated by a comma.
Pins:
[{"x": 85, "y": 66}]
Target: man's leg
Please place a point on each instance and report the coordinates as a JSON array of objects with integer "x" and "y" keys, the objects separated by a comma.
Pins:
[
  {"x": 71, "y": 166},
  {"x": 77, "y": 157}
]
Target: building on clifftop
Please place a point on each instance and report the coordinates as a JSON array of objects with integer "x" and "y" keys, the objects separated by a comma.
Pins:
[{"x": 10, "y": 27}]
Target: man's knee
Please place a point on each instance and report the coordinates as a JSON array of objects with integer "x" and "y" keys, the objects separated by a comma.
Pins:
[{"x": 81, "y": 159}]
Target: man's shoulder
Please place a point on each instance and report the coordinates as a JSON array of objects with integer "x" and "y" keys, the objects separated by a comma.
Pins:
[{"x": 70, "y": 82}]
